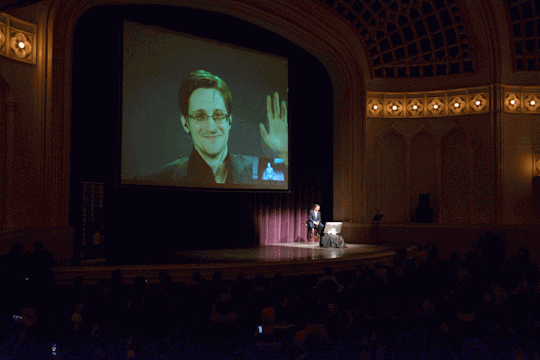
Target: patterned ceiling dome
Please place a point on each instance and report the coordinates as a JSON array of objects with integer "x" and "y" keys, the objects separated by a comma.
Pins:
[
  {"x": 524, "y": 19},
  {"x": 411, "y": 38}
]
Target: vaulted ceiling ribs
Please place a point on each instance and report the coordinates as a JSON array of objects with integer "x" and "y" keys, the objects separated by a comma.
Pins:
[
  {"x": 524, "y": 16},
  {"x": 411, "y": 38}
]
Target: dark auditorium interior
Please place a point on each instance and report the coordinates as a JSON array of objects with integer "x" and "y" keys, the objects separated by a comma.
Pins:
[{"x": 424, "y": 111}]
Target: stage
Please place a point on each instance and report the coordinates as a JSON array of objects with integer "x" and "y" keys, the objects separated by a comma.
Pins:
[{"x": 289, "y": 259}]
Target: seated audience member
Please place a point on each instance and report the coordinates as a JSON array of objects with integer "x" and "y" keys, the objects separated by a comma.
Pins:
[
  {"x": 217, "y": 283},
  {"x": 77, "y": 317},
  {"x": 223, "y": 321},
  {"x": 279, "y": 315},
  {"x": 15, "y": 266},
  {"x": 336, "y": 322},
  {"x": 197, "y": 283},
  {"x": 328, "y": 281},
  {"x": 42, "y": 262},
  {"x": 165, "y": 280},
  {"x": 314, "y": 335}
]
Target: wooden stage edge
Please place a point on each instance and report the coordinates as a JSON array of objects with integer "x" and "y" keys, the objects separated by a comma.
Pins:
[{"x": 290, "y": 259}]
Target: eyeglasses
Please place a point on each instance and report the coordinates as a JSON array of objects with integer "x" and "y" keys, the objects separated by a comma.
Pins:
[{"x": 202, "y": 118}]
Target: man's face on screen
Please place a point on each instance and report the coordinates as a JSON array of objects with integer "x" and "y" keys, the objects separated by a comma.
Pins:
[{"x": 209, "y": 136}]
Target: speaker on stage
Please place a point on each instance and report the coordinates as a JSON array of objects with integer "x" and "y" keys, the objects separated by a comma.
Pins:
[{"x": 424, "y": 211}]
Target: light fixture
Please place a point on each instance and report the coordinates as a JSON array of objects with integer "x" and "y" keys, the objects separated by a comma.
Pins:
[
  {"x": 456, "y": 105},
  {"x": 375, "y": 107},
  {"x": 394, "y": 107},
  {"x": 415, "y": 107},
  {"x": 435, "y": 106},
  {"x": 533, "y": 102},
  {"x": 21, "y": 45},
  {"x": 477, "y": 102},
  {"x": 512, "y": 102}
]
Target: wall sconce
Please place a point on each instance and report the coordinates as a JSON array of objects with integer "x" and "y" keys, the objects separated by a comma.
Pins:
[{"x": 18, "y": 39}]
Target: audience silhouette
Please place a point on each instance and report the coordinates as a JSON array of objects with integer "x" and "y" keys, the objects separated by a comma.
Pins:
[{"x": 419, "y": 304}]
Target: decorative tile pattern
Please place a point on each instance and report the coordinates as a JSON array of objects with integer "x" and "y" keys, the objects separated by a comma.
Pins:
[
  {"x": 374, "y": 107},
  {"x": 394, "y": 107},
  {"x": 18, "y": 39},
  {"x": 523, "y": 99},
  {"x": 512, "y": 102},
  {"x": 456, "y": 105},
  {"x": 415, "y": 107},
  {"x": 20, "y": 45},
  {"x": 411, "y": 38},
  {"x": 478, "y": 103},
  {"x": 429, "y": 104},
  {"x": 435, "y": 106}
]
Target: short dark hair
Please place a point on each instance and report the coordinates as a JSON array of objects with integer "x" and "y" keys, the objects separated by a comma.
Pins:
[
  {"x": 315, "y": 205},
  {"x": 202, "y": 79}
]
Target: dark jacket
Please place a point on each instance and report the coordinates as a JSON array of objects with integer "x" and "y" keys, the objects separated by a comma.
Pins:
[
  {"x": 193, "y": 170},
  {"x": 313, "y": 218}
]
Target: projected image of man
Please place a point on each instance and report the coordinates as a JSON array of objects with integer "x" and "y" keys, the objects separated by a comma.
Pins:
[{"x": 206, "y": 105}]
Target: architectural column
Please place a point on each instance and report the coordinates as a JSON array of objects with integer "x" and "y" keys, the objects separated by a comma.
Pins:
[
  {"x": 3, "y": 162},
  {"x": 10, "y": 114}
]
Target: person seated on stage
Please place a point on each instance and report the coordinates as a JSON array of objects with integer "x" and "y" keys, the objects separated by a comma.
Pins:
[
  {"x": 315, "y": 219},
  {"x": 268, "y": 173}
]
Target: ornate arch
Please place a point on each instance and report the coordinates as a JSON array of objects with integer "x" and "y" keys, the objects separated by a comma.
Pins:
[{"x": 324, "y": 35}]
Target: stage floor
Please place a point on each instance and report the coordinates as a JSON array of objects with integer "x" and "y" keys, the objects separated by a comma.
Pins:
[
  {"x": 289, "y": 259},
  {"x": 287, "y": 252}
]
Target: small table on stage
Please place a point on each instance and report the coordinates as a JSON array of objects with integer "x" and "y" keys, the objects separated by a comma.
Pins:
[{"x": 332, "y": 241}]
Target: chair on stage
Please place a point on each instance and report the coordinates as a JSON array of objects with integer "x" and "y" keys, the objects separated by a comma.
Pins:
[{"x": 312, "y": 233}]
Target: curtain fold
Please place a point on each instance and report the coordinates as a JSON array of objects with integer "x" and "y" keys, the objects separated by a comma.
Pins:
[{"x": 281, "y": 218}]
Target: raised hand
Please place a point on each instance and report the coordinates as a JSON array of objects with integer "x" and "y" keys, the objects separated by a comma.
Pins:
[{"x": 278, "y": 136}]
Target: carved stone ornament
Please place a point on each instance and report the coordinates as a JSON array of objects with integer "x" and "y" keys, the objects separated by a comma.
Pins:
[
  {"x": 435, "y": 106},
  {"x": 531, "y": 102},
  {"x": 478, "y": 103},
  {"x": 415, "y": 107},
  {"x": 20, "y": 45},
  {"x": 18, "y": 39},
  {"x": 437, "y": 103},
  {"x": 394, "y": 107},
  {"x": 375, "y": 107},
  {"x": 512, "y": 102},
  {"x": 456, "y": 105}
]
